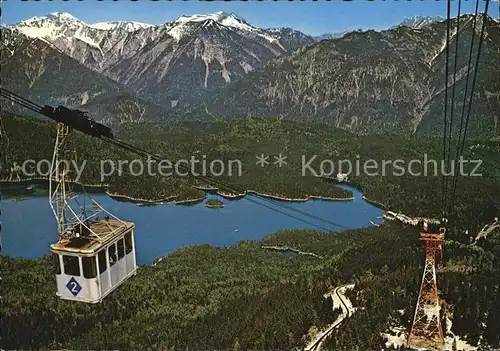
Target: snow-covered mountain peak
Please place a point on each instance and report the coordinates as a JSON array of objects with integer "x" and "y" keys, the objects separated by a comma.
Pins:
[
  {"x": 60, "y": 19},
  {"x": 183, "y": 25},
  {"x": 30, "y": 20},
  {"x": 226, "y": 19},
  {"x": 217, "y": 16},
  {"x": 129, "y": 26},
  {"x": 61, "y": 29},
  {"x": 54, "y": 17},
  {"x": 419, "y": 22},
  {"x": 63, "y": 16},
  {"x": 51, "y": 26}
]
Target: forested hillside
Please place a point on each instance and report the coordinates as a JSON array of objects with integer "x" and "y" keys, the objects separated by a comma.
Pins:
[
  {"x": 245, "y": 297},
  {"x": 261, "y": 299},
  {"x": 477, "y": 198}
]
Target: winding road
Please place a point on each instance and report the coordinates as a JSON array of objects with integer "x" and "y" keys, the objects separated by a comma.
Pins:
[{"x": 347, "y": 309}]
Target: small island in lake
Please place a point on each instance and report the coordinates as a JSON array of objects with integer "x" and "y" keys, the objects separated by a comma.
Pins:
[
  {"x": 19, "y": 198},
  {"x": 214, "y": 203}
]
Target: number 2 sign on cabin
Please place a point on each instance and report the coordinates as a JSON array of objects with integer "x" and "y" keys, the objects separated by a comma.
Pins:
[{"x": 73, "y": 286}]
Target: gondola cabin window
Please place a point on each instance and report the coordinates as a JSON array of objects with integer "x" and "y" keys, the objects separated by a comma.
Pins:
[
  {"x": 57, "y": 263},
  {"x": 128, "y": 243},
  {"x": 71, "y": 265},
  {"x": 102, "y": 261},
  {"x": 112, "y": 254},
  {"x": 89, "y": 267},
  {"x": 121, "y": 249}
]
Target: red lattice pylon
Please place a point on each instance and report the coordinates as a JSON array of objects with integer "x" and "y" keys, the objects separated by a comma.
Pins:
[{"x": 426, "y": 331}]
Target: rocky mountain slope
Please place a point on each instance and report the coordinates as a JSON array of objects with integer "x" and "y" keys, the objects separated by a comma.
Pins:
[
  {"x": 371, "y": 82},
  {"x": 38, "y": 71},
  {"x": 415, "y": 22},
  {"x": 177, "y": 63},
  {"x": 419, "y": 22},
  {"x": 328, "y": 36},
  {"x": 218, "y": 65}
]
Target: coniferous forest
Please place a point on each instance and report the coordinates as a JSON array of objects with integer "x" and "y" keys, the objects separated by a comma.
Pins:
[{"x": 247, "y": 297}]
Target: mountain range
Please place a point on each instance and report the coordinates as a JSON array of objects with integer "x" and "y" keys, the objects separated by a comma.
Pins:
[
  {"x": 219, "y": 65},
  {"x": 369, "y": 81},
  {"x": 177, "y": 63},
  {"x": 37, "y": 71}
]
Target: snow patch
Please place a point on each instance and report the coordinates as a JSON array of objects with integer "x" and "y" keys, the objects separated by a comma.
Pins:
[
  {"x": 419, "y": 22},
  {"x": 85, "y": 97},
  {"x": 398, "y": 336},
  {"x": 80, "y": 34},
  {"x": 200, "y": 18},
  {"x": 51, "y": 28},
  {"x": 225, "y": 75},
  {"x": 45, "y": 30},
  {"x": 228, "y": 20},
  {"x": 233, "y": 22},
  {"x": 128, "y": 26},
  {"x": 452, "y": 338},
  {"x": 246, "y": 67},
  {"x": 54, "y": 16},
  {"x": 64, "y": 16},
  {"x": 177, "y": 32}
]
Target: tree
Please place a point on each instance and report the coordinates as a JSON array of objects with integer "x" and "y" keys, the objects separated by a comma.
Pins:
[{"x": 236, "y": 345}]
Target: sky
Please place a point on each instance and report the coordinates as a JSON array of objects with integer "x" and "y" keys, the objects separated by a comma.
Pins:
[{"x": 313, "y": 18}]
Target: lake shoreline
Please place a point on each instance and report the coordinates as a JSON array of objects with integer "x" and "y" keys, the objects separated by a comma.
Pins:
[
  {"x": 39, "y": 180},
  {"x": 121, "y": 197},
  {"x": 376, "y": 203},
  {"x": 310, "y": 197},
  {"x": 274, "y": 197},
  {"x": 171, "y": 199}
]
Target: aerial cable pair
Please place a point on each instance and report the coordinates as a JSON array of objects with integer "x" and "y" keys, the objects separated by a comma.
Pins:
[
  {"x": 58, "y": 115},
  {"x": 448, "y": 201}
]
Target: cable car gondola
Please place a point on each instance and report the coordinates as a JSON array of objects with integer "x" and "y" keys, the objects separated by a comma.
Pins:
[
  {"x": 96, "y": 250},
  {"x": 88, "y": 268}
]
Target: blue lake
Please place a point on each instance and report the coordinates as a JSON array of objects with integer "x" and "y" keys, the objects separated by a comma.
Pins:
[{"x": 29, "y": 227}]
